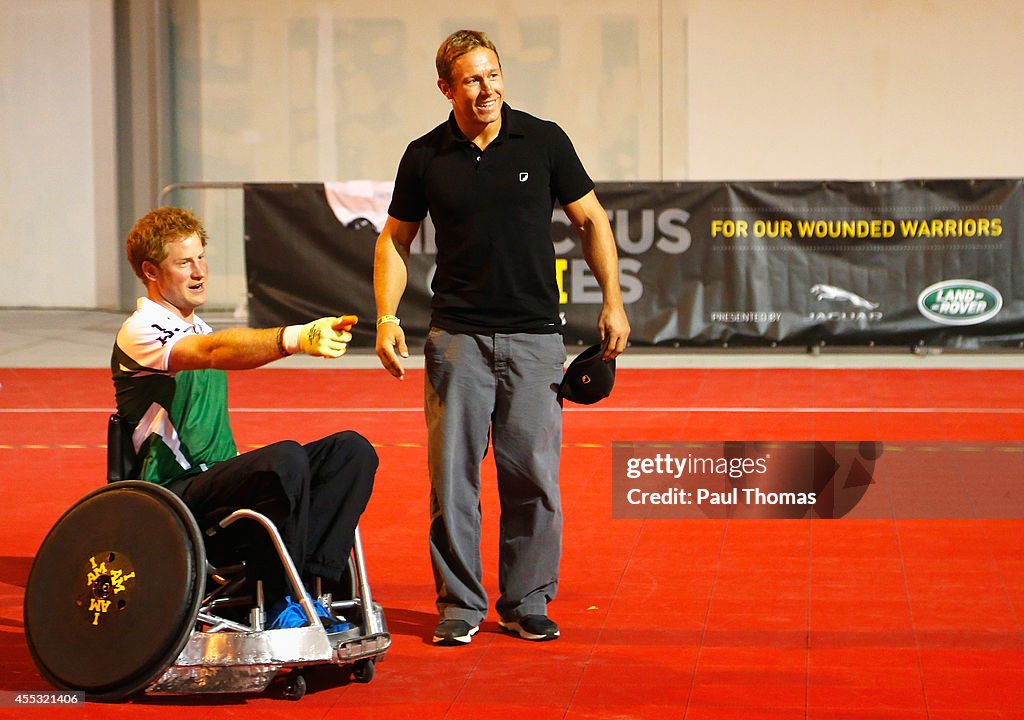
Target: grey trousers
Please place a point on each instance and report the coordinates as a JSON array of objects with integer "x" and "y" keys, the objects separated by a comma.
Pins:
[{"x": 502, "y": 387}]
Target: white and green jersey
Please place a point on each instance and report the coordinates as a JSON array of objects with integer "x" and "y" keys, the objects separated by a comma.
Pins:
[{"x": 179, "y": 421}]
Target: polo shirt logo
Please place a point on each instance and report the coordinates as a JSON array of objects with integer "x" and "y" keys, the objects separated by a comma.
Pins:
[{"x": 523, "y": 176}]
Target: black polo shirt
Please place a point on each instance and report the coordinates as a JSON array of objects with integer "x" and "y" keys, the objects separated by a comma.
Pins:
[{"x": 492, "y": 213}]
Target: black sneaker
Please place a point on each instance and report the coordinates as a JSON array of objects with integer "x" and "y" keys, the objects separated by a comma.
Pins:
[
  {"x": 531, "y": 627},
  {"x": 454, "y": 632}
]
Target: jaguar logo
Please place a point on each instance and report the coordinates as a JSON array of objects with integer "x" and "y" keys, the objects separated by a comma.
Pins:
[{"x": 831, "y": 292}]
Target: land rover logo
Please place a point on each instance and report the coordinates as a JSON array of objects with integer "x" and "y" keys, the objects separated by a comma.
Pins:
[{"x": 959, "y": 302}]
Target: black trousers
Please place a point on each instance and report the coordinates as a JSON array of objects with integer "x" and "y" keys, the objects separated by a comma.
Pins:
[{"x": 313, "y": 493}]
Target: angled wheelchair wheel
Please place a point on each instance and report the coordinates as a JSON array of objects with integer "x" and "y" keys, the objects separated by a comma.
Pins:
[{"x": 114, "y": 590}]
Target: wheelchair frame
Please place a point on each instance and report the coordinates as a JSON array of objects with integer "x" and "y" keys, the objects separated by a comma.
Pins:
[
  {"x": 232, "y": 657},
  {"x": 199, "y": 649}
]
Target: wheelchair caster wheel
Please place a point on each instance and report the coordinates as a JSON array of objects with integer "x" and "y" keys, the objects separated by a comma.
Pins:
[
  {"x": 295, "y": 687},
  {"x": 363, "y": 671}
]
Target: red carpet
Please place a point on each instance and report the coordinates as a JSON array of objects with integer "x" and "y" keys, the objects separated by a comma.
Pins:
[{"x": 887, "y": 618}]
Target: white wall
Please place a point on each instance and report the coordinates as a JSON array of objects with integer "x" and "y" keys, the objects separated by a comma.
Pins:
[
  {"x": 270, "y": 90},
  {"x": 311, "y": 90},
  {"x": 856, "y": 89},
  {"x": 57, "y": 184},
  {"x": 648, "y": 89}
]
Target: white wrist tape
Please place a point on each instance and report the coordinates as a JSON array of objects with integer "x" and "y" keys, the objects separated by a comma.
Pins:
[{"x": 291, "y": 338}]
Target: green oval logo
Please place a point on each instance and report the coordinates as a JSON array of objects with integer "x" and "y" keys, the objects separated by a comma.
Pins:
[{"x": 959, "y": 302}]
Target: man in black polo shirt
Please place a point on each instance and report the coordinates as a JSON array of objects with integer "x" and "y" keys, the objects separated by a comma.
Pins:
[{"x": 489, "y": 177}]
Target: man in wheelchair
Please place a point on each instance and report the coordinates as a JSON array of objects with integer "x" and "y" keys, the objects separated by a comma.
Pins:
[{"x": 169, "y": 377}]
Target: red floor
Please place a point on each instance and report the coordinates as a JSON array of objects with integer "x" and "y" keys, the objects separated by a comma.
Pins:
[{"x": 878, "y": 618}]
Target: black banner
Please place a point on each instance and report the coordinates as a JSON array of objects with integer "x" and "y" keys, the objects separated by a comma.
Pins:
[{"x": 922, "y": 262}]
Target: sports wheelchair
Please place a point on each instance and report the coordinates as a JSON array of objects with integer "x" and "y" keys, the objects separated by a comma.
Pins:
[{"x": 121, "y": 600}]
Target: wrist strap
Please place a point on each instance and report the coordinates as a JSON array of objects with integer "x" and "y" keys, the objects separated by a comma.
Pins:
[
  {"x": 280, "y": 343},
  {"x": 388, "y": 319}
]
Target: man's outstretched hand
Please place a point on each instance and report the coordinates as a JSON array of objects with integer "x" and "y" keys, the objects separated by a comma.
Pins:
[{"x": 327, "y": 336}]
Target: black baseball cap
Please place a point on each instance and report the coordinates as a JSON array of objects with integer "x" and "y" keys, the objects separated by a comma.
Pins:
[{"x": 588, "y": 378}]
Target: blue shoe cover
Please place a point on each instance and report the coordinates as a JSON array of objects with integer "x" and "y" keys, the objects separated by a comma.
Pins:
[{"x": 288, "y": 613}]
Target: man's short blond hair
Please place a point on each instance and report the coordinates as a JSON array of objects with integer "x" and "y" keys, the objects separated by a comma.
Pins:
[{"x": 458, "y": 44}]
